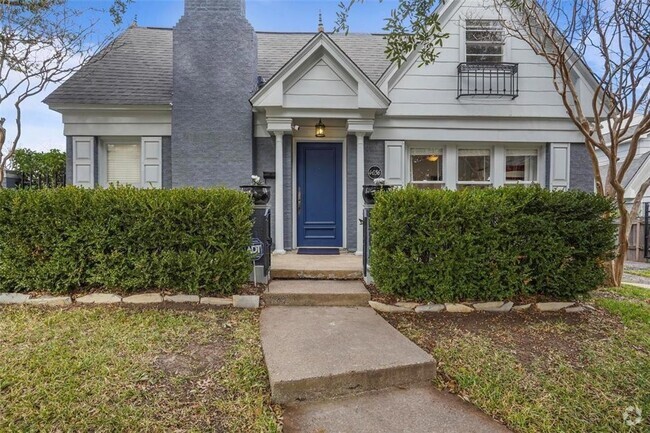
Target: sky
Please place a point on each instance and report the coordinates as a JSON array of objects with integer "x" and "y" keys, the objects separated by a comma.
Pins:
[{"x": 43, "y": 129}]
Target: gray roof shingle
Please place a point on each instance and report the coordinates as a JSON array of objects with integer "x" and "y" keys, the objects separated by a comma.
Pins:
[{"x": 138, "y": 70}]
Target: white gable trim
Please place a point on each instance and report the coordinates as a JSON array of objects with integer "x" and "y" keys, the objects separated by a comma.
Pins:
[{"x": 320, "y": 48}]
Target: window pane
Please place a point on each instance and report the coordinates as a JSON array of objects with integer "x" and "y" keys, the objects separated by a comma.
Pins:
[
  {"x": 521, "y": 168},
  {"x": 484, "y": 41},
  {"x": 484, "y": 59},
  {"x": 428, "y": 185},
  {"x": 473, "y": 166},
  {"x": 426, "y": 168},
  {"x": 483, "y": 49},
  {"x": 123, "y": 164}
]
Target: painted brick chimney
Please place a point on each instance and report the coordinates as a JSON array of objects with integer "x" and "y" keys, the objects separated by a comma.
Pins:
[{"x": 215, "y": 73}]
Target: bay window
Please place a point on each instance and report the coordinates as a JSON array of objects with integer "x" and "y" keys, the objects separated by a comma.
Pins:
[
  {"x": 427, "y": 168},
  {"x": 474, "y": 167},
  {"x": 521, "y": 166}
]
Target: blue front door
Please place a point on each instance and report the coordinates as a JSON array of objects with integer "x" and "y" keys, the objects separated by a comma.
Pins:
[{"x": 320, "y": 195}]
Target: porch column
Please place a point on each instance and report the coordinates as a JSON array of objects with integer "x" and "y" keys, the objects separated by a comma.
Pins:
[
  {"x": 279, "y": 126},
  {"x": 360, "y": 128},
  {"x": 279, "y": 194},
  {"x": 360, "y": 180}
]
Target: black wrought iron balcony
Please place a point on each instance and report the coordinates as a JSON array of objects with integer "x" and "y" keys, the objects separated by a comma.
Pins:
[{"x": 488, "y": 79}]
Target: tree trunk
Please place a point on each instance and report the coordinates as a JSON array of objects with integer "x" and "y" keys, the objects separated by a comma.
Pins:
[{"x": 618, "y": 264}]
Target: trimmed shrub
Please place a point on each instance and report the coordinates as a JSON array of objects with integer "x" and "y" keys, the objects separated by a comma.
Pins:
[
  {"x": 490, "y": 244},
  {"x": 124, "y": 239}
]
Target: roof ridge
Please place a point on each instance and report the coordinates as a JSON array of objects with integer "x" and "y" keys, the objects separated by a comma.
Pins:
[{"x": 272, "y": 32}]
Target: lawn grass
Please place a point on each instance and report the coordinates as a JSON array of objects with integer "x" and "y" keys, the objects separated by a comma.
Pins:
[
  {"x": 106, "y": 369},
  {"x": 547, "y": 372},
  {"x": 639, "y": 272}
]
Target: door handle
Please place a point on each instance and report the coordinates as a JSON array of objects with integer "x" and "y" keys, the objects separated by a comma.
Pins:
[{"x": 299, "y": 199}]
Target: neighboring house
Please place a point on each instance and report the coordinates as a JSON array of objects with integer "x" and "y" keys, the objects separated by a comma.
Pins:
[
  {"x": 211, "y": 102},
  {"x": 638, "y": 172}
]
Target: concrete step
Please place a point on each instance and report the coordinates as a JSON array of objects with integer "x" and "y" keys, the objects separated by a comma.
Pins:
[
  {"x": 326, "y": 293},
  {"x": 315, "y": 274},
  {"x": 302, "y": 266},
  {"x": 321, "y": 352},
  {"x": 421, "y": 409}
]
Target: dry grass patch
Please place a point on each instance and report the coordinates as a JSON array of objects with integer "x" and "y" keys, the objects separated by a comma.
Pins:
[{"x": 106, "y": 369}]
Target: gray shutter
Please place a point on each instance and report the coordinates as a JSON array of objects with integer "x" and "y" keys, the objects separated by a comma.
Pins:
[
  {"x": 560, "y": 159},
  {"x": 83, "y": 161},
  {"x": 152, "y": 162},
  {"x": 394, "y": 163}
]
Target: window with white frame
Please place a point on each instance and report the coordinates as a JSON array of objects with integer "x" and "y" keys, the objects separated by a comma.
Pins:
[
  {"x": 474, "y": 167},
  {"x": 123, "y": 164},
  {"x": 484, "y": 41},
  {"x": 427, "y": 168},
  {"x": 521, "y": 166}
]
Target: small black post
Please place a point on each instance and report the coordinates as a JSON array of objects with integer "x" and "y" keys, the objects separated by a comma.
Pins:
[{"x": 646, "y": 229}]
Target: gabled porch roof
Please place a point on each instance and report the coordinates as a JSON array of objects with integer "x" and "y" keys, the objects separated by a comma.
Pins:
[{"x": 320, "y": 76}]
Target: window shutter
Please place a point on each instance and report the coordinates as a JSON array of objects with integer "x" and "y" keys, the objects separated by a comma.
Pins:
[
  {"x": 124, "y": 164},
  {"x": 394, "y": 163},
  {"x": 83, "y": 162},
  {"x": 152, "y": 162},
  {"x": 559, "y": 175}
]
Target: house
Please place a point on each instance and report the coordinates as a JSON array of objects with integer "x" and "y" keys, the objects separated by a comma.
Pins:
[{"x": 210, "y": 102}]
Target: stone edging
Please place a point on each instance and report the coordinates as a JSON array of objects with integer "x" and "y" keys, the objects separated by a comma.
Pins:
[
  {"x": 493, "y": 307},
  {"x": 237, "y": 301}
]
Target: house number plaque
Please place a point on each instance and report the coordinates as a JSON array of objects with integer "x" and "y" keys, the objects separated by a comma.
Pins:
[{"x": 374, "y": 172}]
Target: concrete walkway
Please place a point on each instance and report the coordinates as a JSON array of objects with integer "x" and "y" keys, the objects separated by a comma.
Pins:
[{"x": 345, "y": 369}]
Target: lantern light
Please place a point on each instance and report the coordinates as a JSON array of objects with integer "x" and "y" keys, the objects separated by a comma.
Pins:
[{"x": 320, "y": 129}]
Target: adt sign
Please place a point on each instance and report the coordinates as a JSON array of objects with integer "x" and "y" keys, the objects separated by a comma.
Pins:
[{"x": 256, "y": 248}]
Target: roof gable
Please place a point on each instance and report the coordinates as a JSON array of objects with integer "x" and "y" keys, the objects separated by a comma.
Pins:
[
  {"x": 448, "y": 11},
  {"x": 320, "y": 75}
]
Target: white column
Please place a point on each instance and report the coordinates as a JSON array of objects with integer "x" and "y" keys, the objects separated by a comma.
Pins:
[
  {"x": 499, "y": 166},
  {"x": 360, "y": 180},
  {"x": 279, "y": 196}
]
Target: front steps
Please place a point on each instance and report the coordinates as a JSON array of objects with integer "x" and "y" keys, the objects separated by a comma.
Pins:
[{"x": 316, "y": 293}]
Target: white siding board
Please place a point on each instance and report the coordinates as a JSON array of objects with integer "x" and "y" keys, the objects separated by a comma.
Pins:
[{"x": 431, "y": 90}]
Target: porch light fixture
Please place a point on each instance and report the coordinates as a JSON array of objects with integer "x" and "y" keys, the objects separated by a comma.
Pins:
[
  {"x": 432, "y": 158},
  {"x": 320, "y": 129}
]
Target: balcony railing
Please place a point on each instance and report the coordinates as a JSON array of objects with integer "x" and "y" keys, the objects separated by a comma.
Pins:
[{"x": 488, "y": 79}]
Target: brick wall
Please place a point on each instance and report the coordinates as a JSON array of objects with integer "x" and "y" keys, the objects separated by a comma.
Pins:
[{"x": 215, "y": 63}]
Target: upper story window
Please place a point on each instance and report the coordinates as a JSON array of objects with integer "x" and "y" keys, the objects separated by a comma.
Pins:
[
  {"x": 484, "y": 40},
  {"x": 484, "y": 72},
  {"x": 521, "y": 166},
  {"x": 474, "y": 167},
  {"x": 426, "y": 168}
]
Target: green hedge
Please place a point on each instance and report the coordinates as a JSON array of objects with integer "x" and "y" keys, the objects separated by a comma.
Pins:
[
  {"x": 124, "y": 239},
  {"x": 490, "y": 244}
]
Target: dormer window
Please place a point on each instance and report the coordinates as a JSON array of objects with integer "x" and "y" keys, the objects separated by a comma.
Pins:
[{"x": 484, "y": 41}]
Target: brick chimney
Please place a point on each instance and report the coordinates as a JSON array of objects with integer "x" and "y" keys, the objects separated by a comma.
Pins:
[{"x": 215, "y": 73}]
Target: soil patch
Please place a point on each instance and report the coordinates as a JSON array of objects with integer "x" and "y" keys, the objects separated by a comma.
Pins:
[
  {"x": 194, "y": 359},
  {"x": 529, "y": 335}
]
